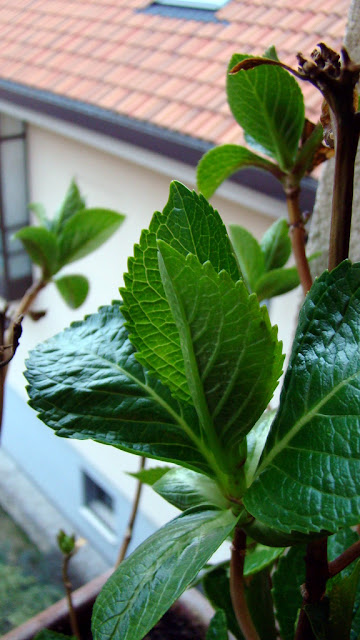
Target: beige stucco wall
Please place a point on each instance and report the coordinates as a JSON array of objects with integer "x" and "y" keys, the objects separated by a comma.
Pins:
[{"x": 109, "y": 180}]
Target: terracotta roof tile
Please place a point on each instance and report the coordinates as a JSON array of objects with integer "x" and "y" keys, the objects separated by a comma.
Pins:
[{"x": 168, "y": 71}]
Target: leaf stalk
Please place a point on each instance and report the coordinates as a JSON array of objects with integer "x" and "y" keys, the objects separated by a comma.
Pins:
[{"x": 237, "y": 586}]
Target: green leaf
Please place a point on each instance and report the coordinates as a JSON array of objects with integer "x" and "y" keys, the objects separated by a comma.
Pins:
[
  {"x": 255, "y": 441},
  {"x": 260, "y": 558},
  {"x": 217, "y": 589},
  {"x": 190, "y": 225},
  {"x": 249, "y": 255},
  {"x": 287, "y": 580},
  {"x": 318, "y": 615},
  {"x": 231, "y": 353},
  {"x": 86, "y": 383},
  {"x": 306, "y": 153},
  {"x": 277, "y": 282},
  {"x": 150, "y": 476},
  {"x": 337, "y": 544},
  {"x": 40, "y": 213},
  {"x": 149, "y": 581},
  {"x": 218, "y": 627},
  {"x": 40, "y": 244},
  {"x": 276, "y": 245},
  {"x": 221, "y": 162},
  {"x": 268, "y": 104},
  {"x": 85, "y": 231},
  {"x": 342, "y": 593},
  {"x": 258, "y": 596},
  {"x": 185, "y": 489},
  {"x": 271, "y": 53},
  {"x": 313, "y": 449},
  {"x": 73, "y": 289},
  {"x": 73, "y": 202}
]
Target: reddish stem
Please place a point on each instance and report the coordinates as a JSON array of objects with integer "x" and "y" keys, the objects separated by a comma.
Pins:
[{"x": 237, "y": 587}]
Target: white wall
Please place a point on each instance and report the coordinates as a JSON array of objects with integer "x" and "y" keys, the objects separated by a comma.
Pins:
[{"x": 135, "y": 183}]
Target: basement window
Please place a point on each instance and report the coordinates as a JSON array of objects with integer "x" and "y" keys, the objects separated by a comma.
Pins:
[
  {"x": 209, "y": 5},
  {"x": 99, "y": 502}
]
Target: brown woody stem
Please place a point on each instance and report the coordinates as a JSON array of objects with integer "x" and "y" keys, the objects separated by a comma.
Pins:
[
  {"x": 130, "y": 528},
  {"x": 317, "y": 574},
  {"x": 237, "y": 586},
  {"x": 67, "y": 584},
  {"x": 298, "y": 236},
  {"x": 346, "y": 558}
]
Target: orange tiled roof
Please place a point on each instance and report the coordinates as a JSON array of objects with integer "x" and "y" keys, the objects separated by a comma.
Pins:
[{"x": 167, "y": 71}]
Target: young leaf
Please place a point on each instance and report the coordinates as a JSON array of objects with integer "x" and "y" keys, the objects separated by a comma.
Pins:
[
  {"x": 185, "y": 489},
  {"x": 86, "y": 383},
  {"x": 40, "y": 213},
  {"x": 260, "y": 558},
  {"x": 218, "y": 627},
  {"x": 149, "y": 581},
  {"x": 190, "y": 225},
  {"x": 308, "y": 151},
  {"x": 221, "y": 162},
  {"x": 309, "y": 476},
  {"x": 277, "y": 282},
  {"x": 40, "y": 244},
  {"x": 249, "y": 255},
  {"x": 268, "y": 104},
  {"x": 73, "y": 289},
  {"x": 73, "y": 202},
  {"x": 276, "y": 245},
  {"x": 231, "y": 354},
  {"x": 85, "y": 231},
  {"x": 150, "y": 476},
  {"x": 271, "y": 53},
  {"x": 287, "y": 580},
  {"x": 255, "y": 441}
]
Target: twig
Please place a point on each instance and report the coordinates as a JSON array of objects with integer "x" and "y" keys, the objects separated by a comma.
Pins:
[
  {"x": 68, "y": 591},
  {"x": 237, "y": 587},
  {"x": 317, "y": 574},
  {"x": 129, "y": 529},
  {"x": 298, "y": 236},
  {"x": 344, "y": 559},
  {"x": 17, "y": 331}
]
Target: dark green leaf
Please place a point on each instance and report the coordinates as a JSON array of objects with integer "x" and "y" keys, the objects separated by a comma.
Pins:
[
  {"x": 232, "y": 357},
  {"x": 261, "y": 557},
  {"x": 48, "y": 634},
  {"x": 287, "y": 580},
  {"x": 85, "y": 231},
  {"x": 40, "y": 244},
  {"x": 318, "y": 615},
  {"x": 86, "y": 383},
  {"x": 255, "y": 441},
  {"x": 261, "y": 608},
  {"x": 268, "y": 104},
  {"x": 249, "y": 255},
  {"x": 149, "y": 581},
  {"x": 342, "y": 592},
  {"x": 337, "y": 544},
  {"x": 276, "y": 245},
  {"x": 221, "y": 162},
  {"x": 277, "y": 282},
  {"x": 190, "y": 225},
  {"x": 217, "y": 589},
  {"x": 73, "y": 289},
  {"x": 73, "y": 202},
  {"x": 218, "y": 627},
  {"x": 313, "y": 449},
  {"x": 185, "y": 489},
  {"x": 150, "y": 476}
]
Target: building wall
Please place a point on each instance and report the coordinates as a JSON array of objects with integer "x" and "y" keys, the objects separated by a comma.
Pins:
[{"x": 136, "y": 183}]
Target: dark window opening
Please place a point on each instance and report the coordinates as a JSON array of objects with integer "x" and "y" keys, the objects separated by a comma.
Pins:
[{"x": 99, "y": 502}]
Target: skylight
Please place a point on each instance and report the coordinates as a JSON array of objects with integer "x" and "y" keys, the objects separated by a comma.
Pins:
[{"x": 210, "y": 5}]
